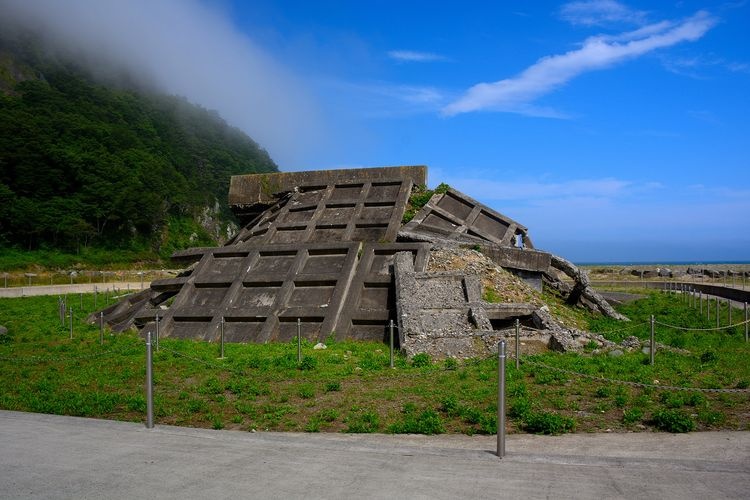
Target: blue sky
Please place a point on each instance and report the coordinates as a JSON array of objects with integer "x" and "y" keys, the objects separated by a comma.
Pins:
[{"x": 615, "y": 131}]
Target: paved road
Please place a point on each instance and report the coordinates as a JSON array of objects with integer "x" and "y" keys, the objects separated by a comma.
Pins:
[
  {"x": 44, "y": 456},
  {"x": 28, "y": 291}
]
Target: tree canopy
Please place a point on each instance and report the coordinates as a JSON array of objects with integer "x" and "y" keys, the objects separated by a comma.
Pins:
[{"x": 83, "y": 163}]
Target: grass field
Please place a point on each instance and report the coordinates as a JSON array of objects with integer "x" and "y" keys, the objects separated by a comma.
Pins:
[{"x": 349, "y": 386}]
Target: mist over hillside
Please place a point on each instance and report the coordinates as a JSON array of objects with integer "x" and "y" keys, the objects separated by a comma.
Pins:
[{"x": 99, "y": 158}]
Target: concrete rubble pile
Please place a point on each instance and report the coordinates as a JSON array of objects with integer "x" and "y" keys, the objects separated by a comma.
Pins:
[{"x": 326, "y": 252}]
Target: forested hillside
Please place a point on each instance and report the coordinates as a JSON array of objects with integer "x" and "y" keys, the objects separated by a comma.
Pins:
[{"x": 86, "y": 165}]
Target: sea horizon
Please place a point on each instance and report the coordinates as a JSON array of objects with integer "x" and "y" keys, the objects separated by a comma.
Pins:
[{"x": 665, "y": 263}]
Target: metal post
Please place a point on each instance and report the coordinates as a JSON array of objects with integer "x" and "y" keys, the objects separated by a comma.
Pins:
[
  {"x": 81, "y": 296},
  {"x": 651, "y": 349},
  {"x": 299, "y": 341},
  {"x": 149, "y": 384},
  {"x": 501, "y": 399},
  {"x": 390, "y": 328},
  {"x": 700, "y": 299},
  {"x": 745, "y": 321},
  {"x": 729, "y": 309},
  {"x": 518, "y": 343},
  {"x": 71, "y": 323},
  {"x": 101, "y": 328},
  {"x": 222, "y": 338},
  {"x": 708, "y": 308},
  {"x": 96, "y": 292},
  {"x": 157, "y": 332},
  {"x": 718, "y": 317}
]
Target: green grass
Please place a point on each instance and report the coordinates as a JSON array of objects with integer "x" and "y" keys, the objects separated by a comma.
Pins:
[
  {"x": 419, "y": 197},
  {"x": 12, "y": 259},
  {"x": 350, "y": 388}
]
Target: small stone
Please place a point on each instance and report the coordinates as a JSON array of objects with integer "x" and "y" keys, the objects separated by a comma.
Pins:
[
  {"x": 646, "y": 350},
  {"x": 631, "y": 342},
  {"x": 615, "y": 353},
  {"x": 3, "y": 330},
  {"x": 320, "y": 345}
]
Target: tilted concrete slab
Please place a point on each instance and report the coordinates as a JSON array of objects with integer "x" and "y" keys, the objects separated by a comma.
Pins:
[
  {"x": 371, "y": 302},
  {"x": 458, "y": 218},
  {"x": 261, "y": 291},
  {"x": 251, "y": 194},
  {"x": 358, "y": 210}
]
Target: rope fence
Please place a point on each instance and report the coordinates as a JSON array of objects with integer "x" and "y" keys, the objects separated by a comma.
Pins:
[
  {"x": 412, "y": 372},
  {"x": 46, "y": 359},
  {"x": 631, "y": 383}
]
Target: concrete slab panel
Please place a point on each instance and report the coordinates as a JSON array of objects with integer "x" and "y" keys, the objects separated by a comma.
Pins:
[
  {"x": 363, "y": 211},
  {"x": 454, "y": 216},
  {"x": 253, "y": 193}
]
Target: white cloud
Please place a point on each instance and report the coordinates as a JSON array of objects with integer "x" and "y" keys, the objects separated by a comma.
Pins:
[
  {"x": 516, "y": 94},
  {"x": 189, "y": 48},
  {"x": 600, "y": 12},
  {"x": 535, "y": 191},
  {"x": 385, "y": 99},
  {"x": 414, "y": 56},
  {"x": 738, "y": 67}
]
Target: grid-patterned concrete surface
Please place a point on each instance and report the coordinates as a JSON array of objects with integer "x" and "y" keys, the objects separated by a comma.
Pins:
[
  {"x": 371, "y": 301},
  {"x": 250, "y": 195},
  {"x": 256, "y": 293},
  {"x": 353, "y": 211},
  {"x": 457, "y": 217}
]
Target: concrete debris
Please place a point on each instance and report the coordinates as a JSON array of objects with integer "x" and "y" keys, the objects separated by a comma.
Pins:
[
  {"x": 631, "y": 343},
  {"x": 581, "y": 291}
]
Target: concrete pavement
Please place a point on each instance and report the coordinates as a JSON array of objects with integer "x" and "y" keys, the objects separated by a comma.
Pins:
[{"x": 45, "y": 456}]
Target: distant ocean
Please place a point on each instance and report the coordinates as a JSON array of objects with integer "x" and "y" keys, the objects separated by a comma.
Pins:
[{"x": 668, "y": 263}]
